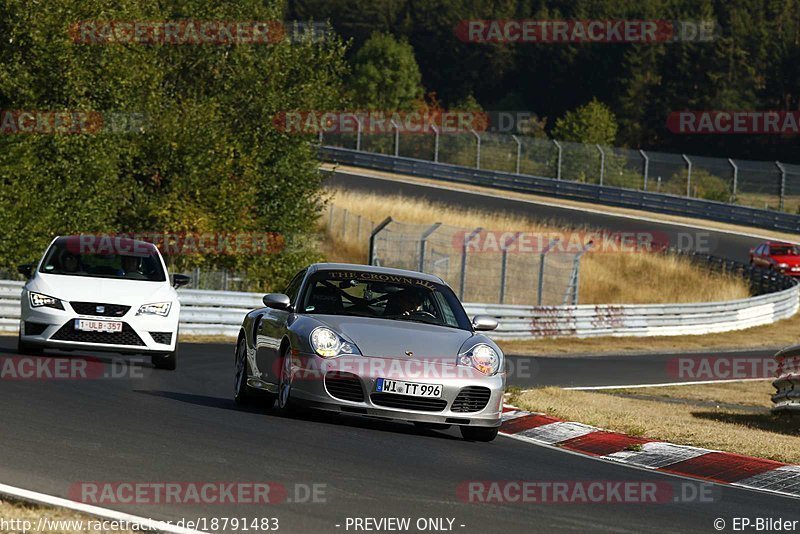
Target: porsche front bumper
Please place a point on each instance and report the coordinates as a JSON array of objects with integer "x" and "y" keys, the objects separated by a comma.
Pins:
[{"x": 349, "y": 385}]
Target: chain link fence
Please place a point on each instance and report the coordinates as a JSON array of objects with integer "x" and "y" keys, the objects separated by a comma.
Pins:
[
  {"x": 480, "y": 265},
  {"x": 758, "y": 184}
]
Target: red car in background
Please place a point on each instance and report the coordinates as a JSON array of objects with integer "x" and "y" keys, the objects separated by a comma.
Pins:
[{"x": 778, "y": 256}]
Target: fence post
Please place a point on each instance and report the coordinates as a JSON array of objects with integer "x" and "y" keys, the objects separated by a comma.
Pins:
[
  {"x": 602, "y": 162},
  {"x": 344, "y": 225},
  {"x": 464, "y": 246},
  {"x": 478, "y": 151},
  {"x": 504, "y": 266},
  {"x": 375, "y": 231},
  {"x": 435, "y": 143},
  {"x": 735, "y": 178},
  {"x": 646, "y": 167},
  {"x": 224, "y": 279},
  {"x": 358, "y": 228},
  {"x": 688, "y": 175},
  {"x": 541, "y": 270},
  {"x": 423, "y": 240},
  {"x": 519, "y": 151},
  {"x": 358, "y": 133},
  {"x": 782, "y": 184},
  {"x": 330, "y": 218},
  {"x": 558, "y": 168},
  {"x": 197, "y": 277},
  {"x": 576, "y": 274},
  {"x": 396, "y": 138}
]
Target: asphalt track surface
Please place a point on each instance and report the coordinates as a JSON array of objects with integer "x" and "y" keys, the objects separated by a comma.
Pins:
[
  {"x": 639, "y": 369},
  {"x": 159, "y": 426},
  {"x": 717, "y": 243}
]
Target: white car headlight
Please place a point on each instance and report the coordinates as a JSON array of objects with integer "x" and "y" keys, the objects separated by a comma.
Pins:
[
  {"x": 482, "y": 357},
  {"x": 329, "y": 344},
  {"x": 158, "y": 308},
  {"x": 783, "y": 265},
  {"x": 38, "y": 300}
]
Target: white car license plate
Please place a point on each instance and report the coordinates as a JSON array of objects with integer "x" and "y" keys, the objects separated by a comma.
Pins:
[
  {"x": 413, "y": 389},
  {"x": 87, "y": 325}
]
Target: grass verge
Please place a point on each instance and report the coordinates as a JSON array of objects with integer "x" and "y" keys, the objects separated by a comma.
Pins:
[
  {"x": 720, "y": 417},
  {"x": 54, "y": 520}
]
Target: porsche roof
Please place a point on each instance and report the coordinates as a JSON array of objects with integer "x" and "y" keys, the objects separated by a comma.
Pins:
[{"x": 374, "y": 269}]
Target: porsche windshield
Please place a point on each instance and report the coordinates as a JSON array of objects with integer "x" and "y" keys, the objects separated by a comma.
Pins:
[
  {"x": 139, "y": 261},
  {"x": 386, "y": 296}
]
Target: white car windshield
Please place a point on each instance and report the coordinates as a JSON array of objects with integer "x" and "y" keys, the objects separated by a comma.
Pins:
[{"x": 127, "y": 261}]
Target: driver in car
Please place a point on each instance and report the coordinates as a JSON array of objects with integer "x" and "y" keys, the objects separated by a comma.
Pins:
[{"x": 404, "y": 303}]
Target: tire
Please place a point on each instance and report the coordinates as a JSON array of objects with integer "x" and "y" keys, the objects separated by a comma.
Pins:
[
  {"x": 478, "y": 433},
  {"x": 27, "y": 348},
  {"x": 167, "y": 362},
  {"x": 284, "y": 403}
]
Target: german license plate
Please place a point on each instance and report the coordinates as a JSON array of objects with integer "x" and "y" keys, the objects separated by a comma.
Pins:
[
  {"x": 86, "y": 325},
  {"x": 414, "y": 389}
]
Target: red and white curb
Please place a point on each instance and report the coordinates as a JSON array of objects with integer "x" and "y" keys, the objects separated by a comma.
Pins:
[{"x": 693, "y": 462}]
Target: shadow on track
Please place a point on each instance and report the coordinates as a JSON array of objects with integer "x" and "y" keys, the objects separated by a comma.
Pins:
[{"x": 302, "y": 415}]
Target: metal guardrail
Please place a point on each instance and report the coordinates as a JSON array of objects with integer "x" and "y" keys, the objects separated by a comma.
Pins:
[
  {"x": 525, "y": 322},
  {"x": 787, "y": 383},
  {"x": 602, "y": 194},
  {"x": 221, "y": 313}
]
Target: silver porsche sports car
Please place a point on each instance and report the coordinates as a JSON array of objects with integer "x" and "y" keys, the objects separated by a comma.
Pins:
[{"x": 377, "y": 342}]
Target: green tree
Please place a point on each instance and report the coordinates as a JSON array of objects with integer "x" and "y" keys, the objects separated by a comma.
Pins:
[
  {"x": 385, "y": 74},
  {"x": 208, "y": 157},
  {"x": 591, "y": 123}
]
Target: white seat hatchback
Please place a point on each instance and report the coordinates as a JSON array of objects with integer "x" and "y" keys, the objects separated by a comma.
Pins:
[{"x": 111, "y": 294}]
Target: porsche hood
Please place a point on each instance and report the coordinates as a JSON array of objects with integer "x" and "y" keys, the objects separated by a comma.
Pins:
[{"x": 384, "y": 338}]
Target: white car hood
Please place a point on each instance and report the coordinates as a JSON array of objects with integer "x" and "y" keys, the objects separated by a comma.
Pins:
[{"x": 105, "y": 290}]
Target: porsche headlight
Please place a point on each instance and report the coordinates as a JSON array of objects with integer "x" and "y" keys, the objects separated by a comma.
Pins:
[
  {"x": 329, "y": 344},
  {"x": 482, "y": 357},
  {"x": 783, "y": 265},
  {"x": 38, "y": 300},
  {"x": 158, "y": 308}
]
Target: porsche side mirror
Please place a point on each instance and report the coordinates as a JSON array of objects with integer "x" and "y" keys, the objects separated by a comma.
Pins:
[
  {"x": 179, "y": 280},
  {"x": 277, "y": 301},
  {"x": 483, "y": 323},
  {"x": 26, "y": 269}
]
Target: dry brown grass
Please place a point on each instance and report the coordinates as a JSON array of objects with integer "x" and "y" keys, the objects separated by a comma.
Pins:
[
  {"x": 28, "y": 512},
  {"x": 749, "y": 393},
  {"x": 742, "y": 431},
  {"x": 606, "y": 277}
]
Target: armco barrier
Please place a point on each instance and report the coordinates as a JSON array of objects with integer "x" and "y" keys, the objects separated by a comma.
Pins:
[
  {"x": 221, "y": 313},
  {"x": 787, "y": 383},
  {"x": 599, "y": 194}
]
